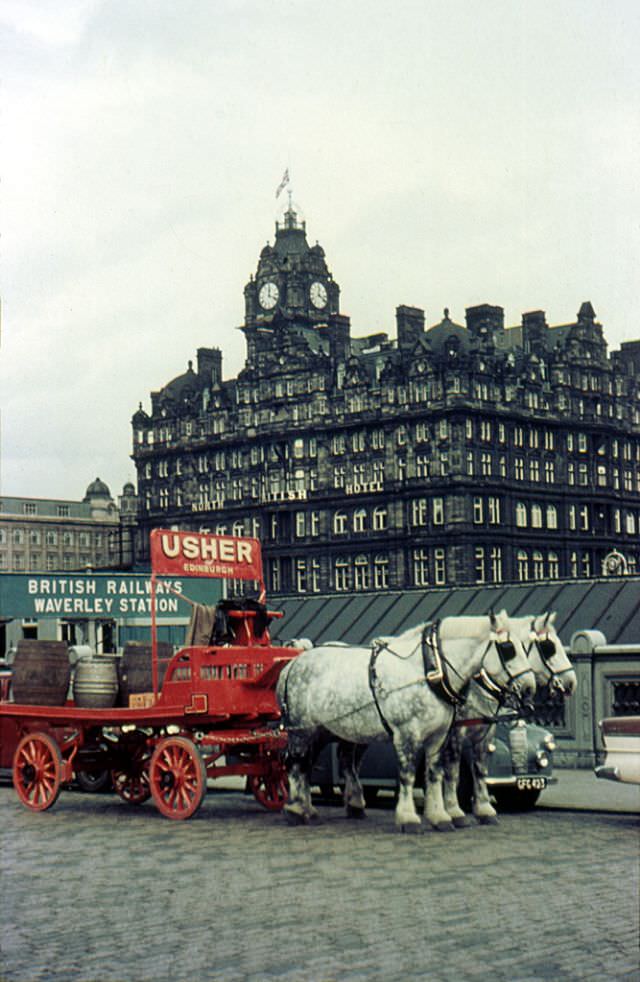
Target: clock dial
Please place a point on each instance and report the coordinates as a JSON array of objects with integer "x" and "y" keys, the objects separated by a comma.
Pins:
[
  {"x": 318, "y": 294},
  {"x": 268, "y": 295}
]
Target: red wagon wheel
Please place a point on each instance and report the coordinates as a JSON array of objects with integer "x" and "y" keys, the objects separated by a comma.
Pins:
[
  {"x": 177, "y": 777},
  {"x": 37, "y": 771},
  {"x": 131, "y": 782},
  {"x": 270, "y": 789}
]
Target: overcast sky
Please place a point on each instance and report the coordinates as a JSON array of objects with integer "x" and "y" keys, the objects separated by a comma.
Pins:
[{"x": 443, "y": 153}]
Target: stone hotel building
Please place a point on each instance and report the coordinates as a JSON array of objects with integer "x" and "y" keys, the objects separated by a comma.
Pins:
[{"x": 451, "y": 454}]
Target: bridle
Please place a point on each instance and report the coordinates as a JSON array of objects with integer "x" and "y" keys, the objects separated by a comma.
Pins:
[
  {"x": 546, "y": 648},
  {"x": 436, "y": 668},
  {"x": 506, "y": 651}
]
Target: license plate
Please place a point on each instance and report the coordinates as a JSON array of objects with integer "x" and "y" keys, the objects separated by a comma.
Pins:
[{"x": 531, "y": 783}]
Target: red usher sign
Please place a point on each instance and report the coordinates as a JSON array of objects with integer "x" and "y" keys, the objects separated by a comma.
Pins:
[{"x": 200, "y": 554}]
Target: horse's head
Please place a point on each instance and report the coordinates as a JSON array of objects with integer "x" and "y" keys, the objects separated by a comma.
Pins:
[
  {"x": 545, "y": 651},
  {"x": 504, "y": 661}
]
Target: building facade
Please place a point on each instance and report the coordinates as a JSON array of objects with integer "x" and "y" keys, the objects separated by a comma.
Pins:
[
  {"x": 453, "y": 454},
  {"x": 46, "y": 535}
]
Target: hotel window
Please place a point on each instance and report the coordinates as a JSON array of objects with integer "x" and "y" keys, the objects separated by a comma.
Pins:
[
  {"x": 301, "y": 576},
  {"x": 571, "y": 473},
  {"x": 548, "y": 440},
  {"x": 381, "y": 572},
  {"x": 502, "y": 465},
  {"x": 300, "y": 524},
  {"x": 552, "y": 517},
  {"x": 496, "y": 564},
  {"x": 586, "y": 564},
  {"x": 361, "y": 573},
  {"x": 470, "y": 463},
  {"x": 63, "y": 510},
  {"x": 315, "y": 523},
  {"x": 494, "y": 510},
  {"x": 584, "y": 518},
  {"x": 359, "y": 520},
  {"x": 298, "y": 449},
  {"x": 485, "y": 461},
  {"x": 573, "y": 564},
  {"x": 553, "y": 565},
  {"x": 438, "y": 511},
  {"x": 341, "y": 575},
  {"x": 378, "y": 470},
  {"x": 35, "y": 537},
  {"x": 274, "y": 575},
  {"x": 549, "y": 471},
  {"x": 377, "y": 439},
  {"x": 338, "y": 477},
  {"x": 339, "y": 523},
  {"x": 502, "y": 433},
  {"x": 602, "y": 475},
  {"x": 534, "y": 439},
  {"x": 582, "y": 442},
  {"x": 477, "y": 511},
  {"x": 439, "y": 567},
  {"x": 479, "y": 564},
  {"x": 583, "y": 475},
  {"x": 30, "y": 508},
  {"x": 518, "y": 436},
  {"x": 52, "y": 538},
  {"x": 523, "y": 565},
  {"x": 420, "y": 559},
  {"x": 358, "y": 441},
  {"x": 534, "y": 470},
  {"x": 572, "y": 518},
  {"x": 359, "y": 473},
  {"x": 443, "y": 430},
  {"x": 380, "y": 518},
  {"x": 422, "y": 432},
  {"x": 419, "y": 512},
  {"x": 536, "y": 517},
  {"x": 521, "y": 515},
  {"x": 538, "y": 566},
  {"x": 519, "y": 468},
  {"x": 485, "y": 430},
  {"x": 401, "y": 468},
  {"x": 617, "y": 524},
  {"x": 630, "y": 523},
  {"x": 422, "y": 465},
  {"x": 315, "y": 576}
]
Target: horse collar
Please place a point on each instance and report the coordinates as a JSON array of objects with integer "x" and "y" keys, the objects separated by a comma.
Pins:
[{"x": 435, "y": 667}]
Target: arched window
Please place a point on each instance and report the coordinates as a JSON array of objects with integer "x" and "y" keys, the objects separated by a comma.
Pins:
[
  {"x": 536, "y": 517},
  {"x": 341, "y": 574},
  {"x": 381, "y": 572},
  {"x": 339, "y": 523},
  {"x": 553, "y": 565},
  {"x": 359, "y": 520},
  {"x": 523, "y": 565},
  {"x": 362, "y": 575},
  {"x": 380, "y": 518},
  {"x": 538, "y": 566},
  {"x": 521, "y": 515},
  {"x": 631, "y": 523},
  {"x": 552, "y": 517}
]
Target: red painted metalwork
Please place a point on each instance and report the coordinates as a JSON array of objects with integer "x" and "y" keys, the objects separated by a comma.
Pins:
[
  {"x": 216, "y": 715},
  {"x": 177, "y": 777},
  {"x": 38, "y": 771}
]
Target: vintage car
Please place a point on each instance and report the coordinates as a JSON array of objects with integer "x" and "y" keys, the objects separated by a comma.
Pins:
[
  {"x": 520, "y": 765},
  {"x": 621, "y": 741}
]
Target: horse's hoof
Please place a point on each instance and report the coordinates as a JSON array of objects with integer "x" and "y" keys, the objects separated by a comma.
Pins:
[
  {"x": 462, "y": 822},
  {"x": 444, "y": 826},
  {"x": 410, "y": 828},
  {"x": 295, "y": 818},
  {"x": 487, "y": 819},
  {"x": 353, "y": 812}
]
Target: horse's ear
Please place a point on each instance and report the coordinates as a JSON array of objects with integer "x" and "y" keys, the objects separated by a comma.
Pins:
[{"x": 502, "y": 620}]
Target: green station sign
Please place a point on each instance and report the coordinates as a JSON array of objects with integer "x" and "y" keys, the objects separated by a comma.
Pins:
[{"x": 113, "y": 596}]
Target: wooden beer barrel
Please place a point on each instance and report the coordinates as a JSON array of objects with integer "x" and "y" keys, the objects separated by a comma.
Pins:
[
  {"x": 135, "y": 670},
  {"x": 95, "y": 682},
  {"x": 41, "y": 673}
]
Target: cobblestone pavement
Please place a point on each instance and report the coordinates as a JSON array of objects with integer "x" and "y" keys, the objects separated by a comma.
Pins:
[{"x": 99, "y": 890}]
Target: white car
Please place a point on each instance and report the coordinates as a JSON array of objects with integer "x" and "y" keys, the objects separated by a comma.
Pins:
[{"x": 621, "y": 740}]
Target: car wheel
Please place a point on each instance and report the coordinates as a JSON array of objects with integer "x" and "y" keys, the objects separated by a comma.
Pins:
[{"x": 93, "y": 781}]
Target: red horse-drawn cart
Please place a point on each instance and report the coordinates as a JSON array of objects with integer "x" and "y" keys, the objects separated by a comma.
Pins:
[{"x": 217, "y": 701}]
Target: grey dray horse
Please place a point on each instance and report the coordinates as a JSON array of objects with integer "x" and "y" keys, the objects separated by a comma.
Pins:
[
  {"x": 554, "y": 673},
  {"x": 402, "y": 688}
]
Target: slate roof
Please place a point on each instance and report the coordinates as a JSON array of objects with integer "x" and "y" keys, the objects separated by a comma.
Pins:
[{"x": 610, "y": 605}]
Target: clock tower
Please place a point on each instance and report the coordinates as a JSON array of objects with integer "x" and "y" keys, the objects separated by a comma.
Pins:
[{"x": 292, "y": 281}]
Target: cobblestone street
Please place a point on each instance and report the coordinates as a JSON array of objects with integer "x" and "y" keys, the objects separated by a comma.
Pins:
[{"x": 99, "y": 890}]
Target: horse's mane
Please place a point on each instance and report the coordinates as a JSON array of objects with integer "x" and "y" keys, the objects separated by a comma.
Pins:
[{"x": 461, "y": 627}]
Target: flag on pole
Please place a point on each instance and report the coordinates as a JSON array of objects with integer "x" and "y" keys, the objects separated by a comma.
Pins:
[{"x": 283, "y": 182}]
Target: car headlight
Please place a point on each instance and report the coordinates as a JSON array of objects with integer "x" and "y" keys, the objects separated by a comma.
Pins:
[
  {"x": 541, "y": 759},
  {"x": 549, "y": 742},
  {"x": 491, "y": 748}
]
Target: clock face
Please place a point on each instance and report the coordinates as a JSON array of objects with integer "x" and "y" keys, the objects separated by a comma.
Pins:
[
  {"x": 268, "y": 295},
  {"x": 318, "y": 294}
]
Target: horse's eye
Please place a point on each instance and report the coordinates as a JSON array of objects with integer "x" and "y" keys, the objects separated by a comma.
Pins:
[
  {"x": 546, "y": 648},
  {"x": 507, "y": 650}
]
